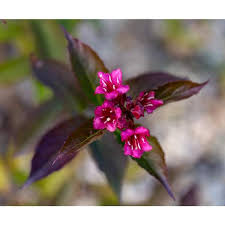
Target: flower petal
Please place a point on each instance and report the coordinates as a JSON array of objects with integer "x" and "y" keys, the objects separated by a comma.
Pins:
[
  {"x": 123, "y": 89},
  {"x": 98, "y": 111},
  {"x": 100, "y": 75},
  {"x": 112, "y": 95},
  {"x": 151, "y": 94},
  {"x": 141, "y": 95},
  {"x": 127, "y": 150},
  {"x": 107, "y": 104},
  {"x": 98, "y": 124},
  {"x": 117, "y": 76},
  {"x": 122, "y": 123},
  {"x": 145, "y": 146},
  {"x": 126, "y": 134},
  {"x": 118, "y": 112},
  {"x": 150, "y": 109},
  {"x": 104, "y": 79},
  {"x": 110, "y": 126},
  {"x": 156, "y": 102},
  {"x": 99, "y": 90},
  {"x": 104, "y": 76},
  {"x": 137, "y": 153},
  {"x": 137, "y": 111},
  {"x": 142, "y": 130}
]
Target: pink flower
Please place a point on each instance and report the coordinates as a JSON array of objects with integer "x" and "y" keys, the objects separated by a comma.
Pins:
[
  {"x": 148, "y": 101},
  {"x": 134, "y": 107},
  {"x": 135, "y": 141},
  {"x": 137, "y": 111},
  {"x": 106, "y": 116},
  {"x": 111, "y": 84},
  {"x": 124, "y": 123}
]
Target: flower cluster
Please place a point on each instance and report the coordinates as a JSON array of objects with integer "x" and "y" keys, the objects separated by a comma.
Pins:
[{"x": 119, "y": 111}]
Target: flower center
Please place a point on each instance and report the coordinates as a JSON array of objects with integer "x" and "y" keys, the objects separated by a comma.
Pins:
[
  {"x": 108, "y": 85},
  {"x": 134, "y": 143},
  {"x": 108, "y": 115},
  {"x": 146, "y": 100}
]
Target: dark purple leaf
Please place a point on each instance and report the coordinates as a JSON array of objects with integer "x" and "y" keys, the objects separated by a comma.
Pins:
[
  {"x": 85, "y": 63},
  {"x": 178, "y": 90},
  {"x": 53, "y": 141},
  {"x": 35, "y": 124},
  {"x": 60, "y": 79},
  {"x": 110, "y": 159},
  {"x": 60, "y": 145},
  {"x": 166, "y": 86},
  {"x": 154, "y": 163},
  {"x": 85, "y": 134},
  {"x": 150, "y": 81}
]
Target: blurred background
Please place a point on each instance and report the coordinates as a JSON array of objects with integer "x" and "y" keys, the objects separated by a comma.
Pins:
[{"x": 191, "y": 132}]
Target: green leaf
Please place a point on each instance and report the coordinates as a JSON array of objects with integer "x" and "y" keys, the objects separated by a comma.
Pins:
[
  {"x": 14, "y": 70},
  {"x": 68, "y": 24},
  {"x": 85, "y": 63},
  {"x": 10, "y": 30},
  {"x": 60, "y": 79},
  {"x": 60, "y": 145},
  {"x": 154, "y": 163},
  {"x": 166, "y": 86},
  {"x": 49, "y": 39},
  {"x": 43, "y": 93},
  {"x": 110, "y": 159}
]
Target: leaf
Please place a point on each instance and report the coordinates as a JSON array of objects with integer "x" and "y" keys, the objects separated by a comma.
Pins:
[
  {"x": 68, "y": 23},
  {"x": 178, "y": 90},
  {"x": 109, "y": 157},
  {"x": 166, "y": 86},
  {"x": 43, "y": 93},
  {"x": 150, "y": 81},
  {"x": 14, "y": 70},
  {"x": 60, "y": 79},
  {"x": 85, "y": 63},
  {"x": 36, "y": 122},
  {"x": 11, "y": 30},
  {"x": 49, "y": 39},
  {"x": 154, "y": 163},
  {"x": 82, "y": 136},
  {"x": 60, "y": 145}
]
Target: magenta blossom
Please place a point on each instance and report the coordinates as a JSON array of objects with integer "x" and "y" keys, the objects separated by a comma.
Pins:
[
  {"x": 135, "y": 141},
  {"x": 148, "y": 101},
  {"x": 118, "y": 111},
  {"x": 111, "y": 84},
  {"x": 124, "y": 122},
  {"x": 106, "y": 116},
  {"x": 137, "y": 111},
  {"x": 134, "y": 107}
]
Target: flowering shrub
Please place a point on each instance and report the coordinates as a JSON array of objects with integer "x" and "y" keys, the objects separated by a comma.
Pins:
[{"x": 92, "y": 117}]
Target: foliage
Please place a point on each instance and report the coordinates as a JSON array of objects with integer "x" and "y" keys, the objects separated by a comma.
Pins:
[{"x": 73, "y": 89}]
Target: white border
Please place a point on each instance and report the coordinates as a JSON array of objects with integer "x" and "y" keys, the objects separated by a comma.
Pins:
[
  {"x": 115, "y": 9},
  {"x": 103, "y": 9},
  {"x": 112, "y": 215}
]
